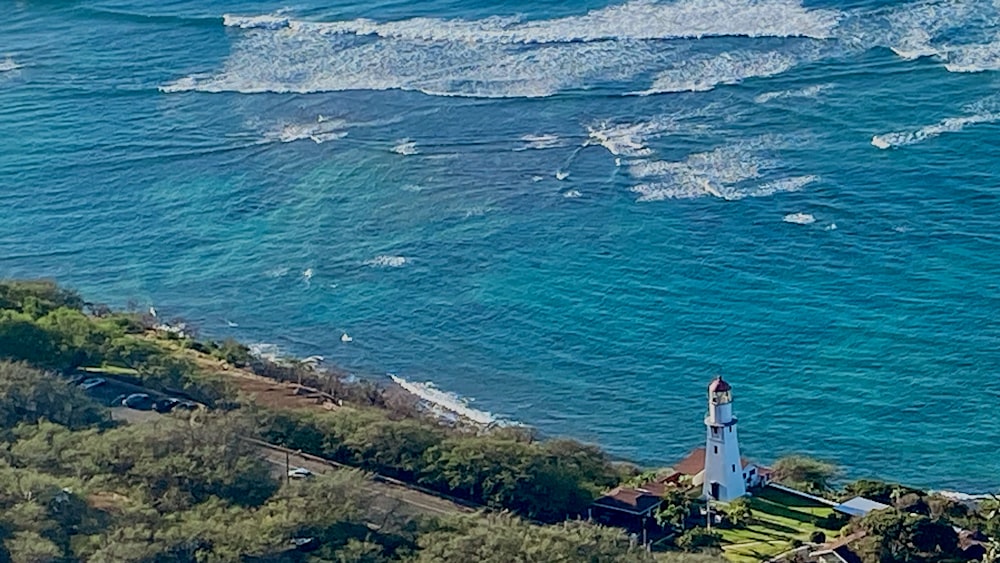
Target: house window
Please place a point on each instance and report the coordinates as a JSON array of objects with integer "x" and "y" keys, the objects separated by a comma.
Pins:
[
  {"x": 715, "y": 449},
  {"x": 730, "y": 429},
  {"x": 734, "y": 469},
  {"x": 715, "y": 431}
]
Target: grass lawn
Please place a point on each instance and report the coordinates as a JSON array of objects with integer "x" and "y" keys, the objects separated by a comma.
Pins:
[
  {"x": 111, "y": 370},
  {"x": 778, "y": 517}
]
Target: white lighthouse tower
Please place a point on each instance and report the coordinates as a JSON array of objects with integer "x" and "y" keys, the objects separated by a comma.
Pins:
[{"x": 723, "y": 478}]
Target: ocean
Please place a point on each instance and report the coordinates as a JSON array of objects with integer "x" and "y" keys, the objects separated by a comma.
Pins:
[{"x": 571, "y": 214}]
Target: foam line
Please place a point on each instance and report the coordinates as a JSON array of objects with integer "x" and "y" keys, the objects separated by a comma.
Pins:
[
  {"x": 445, "y": 400},
  {"x": 492, "y": 57},
  {"x": 950, "y": 125}
]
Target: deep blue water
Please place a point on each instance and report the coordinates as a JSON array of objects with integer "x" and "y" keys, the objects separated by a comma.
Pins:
[{"x": 574, "y": 212}]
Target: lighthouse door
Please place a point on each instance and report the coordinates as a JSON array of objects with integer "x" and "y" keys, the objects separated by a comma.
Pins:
[{"x": 715, "y": 490}]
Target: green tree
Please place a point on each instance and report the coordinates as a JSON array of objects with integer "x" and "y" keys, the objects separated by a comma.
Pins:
[
  {"x": 37, "y": 297},
  {"x": 805, "y": 473},
  {"x": 892, "y": 535},
  {"x": 739, "y": 512},
  {"x": 675, "y": 509},
  {"x": 502, "y": 538},
  {"x": 28, "y": 395}
]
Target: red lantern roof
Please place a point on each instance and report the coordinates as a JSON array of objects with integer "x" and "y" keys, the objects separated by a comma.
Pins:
[{"x": 718, "y": 385}]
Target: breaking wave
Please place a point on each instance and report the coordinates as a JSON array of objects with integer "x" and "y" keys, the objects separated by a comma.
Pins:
[
  {"x": 539, "y": 142},
  {"x": 446, "y": 401},
  {"x": 319, "y": 131},
  {"x": 491, "y": 57},
  {"x": 386, "y": 261},
  {"x": 808, "y": 92},
  {"x": 725, "y": 172},
  {"x": 703, "y": 74},
  {"x": 634, "y": 20},
  {"x": 8, "y": 65},
  {"x": 406, "y": 147},
  {"x": 799, "y": 218},
  {"x": 950, "y": 125}
]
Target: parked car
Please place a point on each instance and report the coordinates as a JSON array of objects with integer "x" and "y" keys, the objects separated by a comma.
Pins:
[
  {"x": 300, "y": 473},
  {"x": 138, "y": 401},
  {"x": 117, "y": 401},
  {"x": 92, "y": 382},
  {"x": 168, "y": 404},
  {"x": 165, "y": 405}
]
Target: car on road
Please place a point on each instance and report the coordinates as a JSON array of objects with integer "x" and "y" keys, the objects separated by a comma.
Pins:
[
  {"x": 117, "y": 401},
  {"x": 300, "y": 473},
  {"x": 92, "y": 382},
  {"x": 138, "y": 401},
  {"x": 168, "y": 404}
]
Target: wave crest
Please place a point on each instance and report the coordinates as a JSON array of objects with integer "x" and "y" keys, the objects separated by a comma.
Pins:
[{"x": 950, "y": 125}]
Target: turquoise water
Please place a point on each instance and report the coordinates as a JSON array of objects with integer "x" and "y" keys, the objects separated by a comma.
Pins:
[{"x": 575, "y": 213}]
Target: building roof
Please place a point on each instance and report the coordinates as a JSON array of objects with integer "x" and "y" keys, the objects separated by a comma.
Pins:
[
  {"x": 718, "y": 385},
  {"x": 633, "y": 500},
  {"x": 859, "y": 506},
  {"x": 694, "y": 463}
]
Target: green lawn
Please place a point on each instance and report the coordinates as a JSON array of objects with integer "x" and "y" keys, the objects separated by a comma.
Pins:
[
  {"x": 778, "y": 518},
  {"x": 110, "y": 370}
]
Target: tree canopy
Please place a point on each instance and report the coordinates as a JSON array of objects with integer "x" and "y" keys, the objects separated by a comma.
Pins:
[{"x": 805, "y": 473}]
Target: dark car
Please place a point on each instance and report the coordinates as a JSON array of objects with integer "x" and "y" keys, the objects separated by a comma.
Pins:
[
  {"x": 165, "y": 405},
  {"x": 168, "y": 404},
  {"x": 138, "y": 401},
  {"x": 118, "y": 401}
]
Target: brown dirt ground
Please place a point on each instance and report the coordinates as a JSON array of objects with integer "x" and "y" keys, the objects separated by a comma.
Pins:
[{"x": 265, "y": 392}]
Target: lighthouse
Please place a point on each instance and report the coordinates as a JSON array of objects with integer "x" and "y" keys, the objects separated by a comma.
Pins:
[{"x": 723, "y": 477}]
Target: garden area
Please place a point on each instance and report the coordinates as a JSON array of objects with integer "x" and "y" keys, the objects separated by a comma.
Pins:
[{"x": 779, "y": 521}]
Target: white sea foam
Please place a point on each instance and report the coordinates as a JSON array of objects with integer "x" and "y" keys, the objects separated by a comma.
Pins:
[
  {"x": 319, "y": 131},
  {"x": 950, "y": 125},
  {"x": 635, "y": 20},
  {"x": 279, "y": 272},
  {"x": 386, "y": 261},
  {"x": 914, "y": 45},
  {"x": 265, "y": 351},
  {"x": 628, "y": 139},
  {"x": 539, "y": 142},
  {"x": 928, "y": 28},
  {"x": 561, "y": 175},
  {"x": 8, "y": 65},
  {"x": 445, "y": 400},
  {"x": 274, "y": 21},
  {"x": 571, "y": 194},
  {"x": 724, "y": 172},
  {"x": 784, "y": 185},
  {"x": 406, "y": 147},
  {"x": 973, "y": 58},
  {"x": 807, "y": 92},
  {"x": 705, "y": 73},
  {"x": 799, "y": 218},
  {"x": 492, "y": 57}
]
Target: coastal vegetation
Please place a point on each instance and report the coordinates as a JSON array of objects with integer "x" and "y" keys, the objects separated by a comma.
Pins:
[{"x": 77, "y": 485}]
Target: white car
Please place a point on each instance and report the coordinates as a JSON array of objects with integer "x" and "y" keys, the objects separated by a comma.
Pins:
[
  {"x": 92, "y": 382},
  {"x": 299, "y": 473}
]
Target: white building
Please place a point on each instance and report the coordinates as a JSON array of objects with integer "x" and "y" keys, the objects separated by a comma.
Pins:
[{"x": 723, "y": 478}]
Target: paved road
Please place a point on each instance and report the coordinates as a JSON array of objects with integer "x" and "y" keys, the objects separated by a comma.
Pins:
[{"x": 387, "y": 498}]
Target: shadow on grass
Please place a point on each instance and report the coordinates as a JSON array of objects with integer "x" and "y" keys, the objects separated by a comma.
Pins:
[
  {"x": 781, "y": 497},
  {"x": 768, "y": 507},
  {"x": 776, "y": 530}
]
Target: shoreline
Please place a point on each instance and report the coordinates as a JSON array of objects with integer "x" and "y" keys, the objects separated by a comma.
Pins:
[{"x": 438, "y": 400}]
